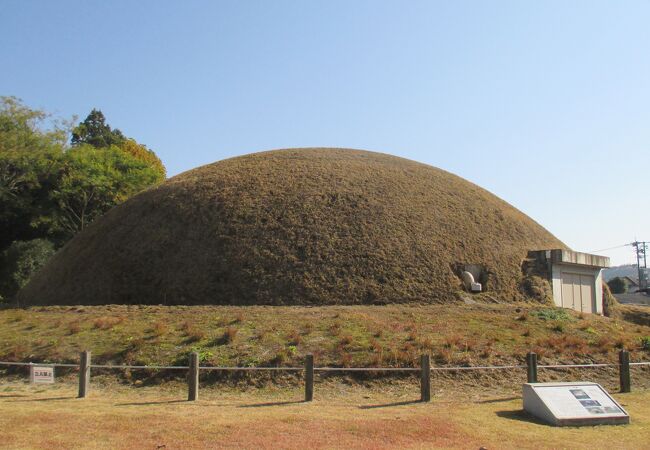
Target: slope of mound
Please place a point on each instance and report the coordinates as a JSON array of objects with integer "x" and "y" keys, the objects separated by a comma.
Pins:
[{"x": 302, "y": 226}]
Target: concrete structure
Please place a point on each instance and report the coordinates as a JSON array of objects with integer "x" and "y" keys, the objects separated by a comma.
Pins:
[
  {"x": 576, "y": 278},
  {"x": 573, "y": 404}
]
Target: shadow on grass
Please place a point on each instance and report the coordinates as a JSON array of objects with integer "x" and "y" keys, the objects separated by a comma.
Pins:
[
  {"x": 499, "y": 400},
  {"x": 388, "y": 405},
  {"x": 161, "y": 402},
  {"x": 12, "y": 395},
  {"x": 521, "y": 416},
  {"x": 261, "y": 405},
  {"x": 48, "y": 399}
]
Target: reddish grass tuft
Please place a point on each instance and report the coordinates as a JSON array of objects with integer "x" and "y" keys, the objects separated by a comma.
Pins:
[
  {"x": 229, "y": 335},
  {"x": 294, "y": 338},
  {"x": 107, "y": 322},
  {"x": 74, "y": 327}
]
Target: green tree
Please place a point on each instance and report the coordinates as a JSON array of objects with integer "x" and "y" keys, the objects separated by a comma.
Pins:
[
  {"x": 617, "y": 285},
  {"x": 49, "y": 190},
  {"x": 93, "y": 181},
  {"x": 30, "y": 154},
  {"x": 142, "y": 153},
  {"x": 20, "y": 261},
  {"x": 96, "y": 132},
  {"x": 26, "y": 129}
]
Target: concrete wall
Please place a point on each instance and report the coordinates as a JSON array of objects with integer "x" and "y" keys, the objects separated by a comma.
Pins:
[
  {"x": 556, "y": 282},
  {"x": 557, "y": 261},
  {"x": 586, "y": 259}
]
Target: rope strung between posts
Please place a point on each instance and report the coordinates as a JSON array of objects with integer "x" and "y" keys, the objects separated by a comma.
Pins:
[
  {"x": 3, "y": 363},
  {"x": 324, "y": 369}
]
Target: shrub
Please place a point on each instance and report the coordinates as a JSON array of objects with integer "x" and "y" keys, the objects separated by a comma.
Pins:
[{"x": 20, "y": 261}]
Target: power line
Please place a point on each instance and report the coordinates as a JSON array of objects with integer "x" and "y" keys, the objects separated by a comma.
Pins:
[{"x": 611, "y": 248}]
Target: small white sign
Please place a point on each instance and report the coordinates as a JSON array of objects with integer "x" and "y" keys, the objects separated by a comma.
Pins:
[
  {"x": 42, "y": 374},
  {"x": 573, "y": 404}
]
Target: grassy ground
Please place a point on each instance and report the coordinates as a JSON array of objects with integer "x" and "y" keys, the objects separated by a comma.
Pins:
[
  {"x": 337, "y": 336},
  {"x": 340, "y": 417}
]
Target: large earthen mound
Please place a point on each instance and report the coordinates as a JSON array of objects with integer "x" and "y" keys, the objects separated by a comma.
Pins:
[{"x": 301, "y": 226}]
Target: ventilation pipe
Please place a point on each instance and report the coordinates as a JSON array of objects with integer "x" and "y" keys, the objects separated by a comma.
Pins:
[{"x": 470, "y": 284}]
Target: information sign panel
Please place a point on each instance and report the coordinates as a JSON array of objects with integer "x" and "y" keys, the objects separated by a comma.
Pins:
[
  {"x": 42, "y": 374},
  {"x": 574, "y": 404}
]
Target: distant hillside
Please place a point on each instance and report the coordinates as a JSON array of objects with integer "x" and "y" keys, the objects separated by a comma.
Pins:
[{"x": 626, "y": 270}]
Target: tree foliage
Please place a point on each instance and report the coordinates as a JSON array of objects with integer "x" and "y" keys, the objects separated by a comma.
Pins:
[
  {"x": 20, "y": 261},
  {"x": 96, "y": 132},
  {"x": 143, "y": 154},
  {"x": 51, "y": 190},
  {"x": 24, "y": 129},
  {"x": 94, "y": 180}
]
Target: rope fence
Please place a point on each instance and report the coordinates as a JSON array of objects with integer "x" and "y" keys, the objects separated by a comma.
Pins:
[{"x": 425, "y": 371}]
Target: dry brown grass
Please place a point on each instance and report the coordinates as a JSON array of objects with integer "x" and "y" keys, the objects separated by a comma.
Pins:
[
  {"x": 294, "y": 338},
  {"x": 74, "y": 327},
  {"x": 107, "y": 322},
  {"x": 160, "y": 328},
  {"x": 229, "y": 335},
  {"x": 338, "y": 418},
  {"x": 193, "y": 332},
  {"x": 464, "y": 334},
  {"x": 300, "y": 226}
]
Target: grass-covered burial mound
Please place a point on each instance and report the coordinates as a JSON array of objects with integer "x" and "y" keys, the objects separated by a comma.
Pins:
[{"x": 301, "y": 226}]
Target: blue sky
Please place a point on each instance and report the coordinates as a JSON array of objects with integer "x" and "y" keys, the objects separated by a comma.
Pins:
[{"x": 545, "y": 104}]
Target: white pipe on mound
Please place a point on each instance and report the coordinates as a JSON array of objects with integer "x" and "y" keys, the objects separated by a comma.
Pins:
[{"x": 470, "y": 284}]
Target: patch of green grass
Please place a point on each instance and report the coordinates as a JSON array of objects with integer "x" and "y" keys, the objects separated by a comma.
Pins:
[{"x": 556, "y": 314}]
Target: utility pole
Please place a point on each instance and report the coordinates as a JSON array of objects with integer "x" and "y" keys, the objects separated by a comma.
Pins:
[{"x": 641, "y": 263}]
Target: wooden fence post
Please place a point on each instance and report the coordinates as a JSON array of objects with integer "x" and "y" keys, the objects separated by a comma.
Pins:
[
  {"x": 425, "y": 378},
  {"x": 624, "y": 370},
  {"x": 309, "y": 378},
  {"x": 84, "y": 374},
  {"x": 193, "y": 378},
  {"x": 531, "y": 363}
]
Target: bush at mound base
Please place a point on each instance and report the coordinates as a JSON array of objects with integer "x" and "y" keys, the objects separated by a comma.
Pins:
[{"x": 299, "y": 226}]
